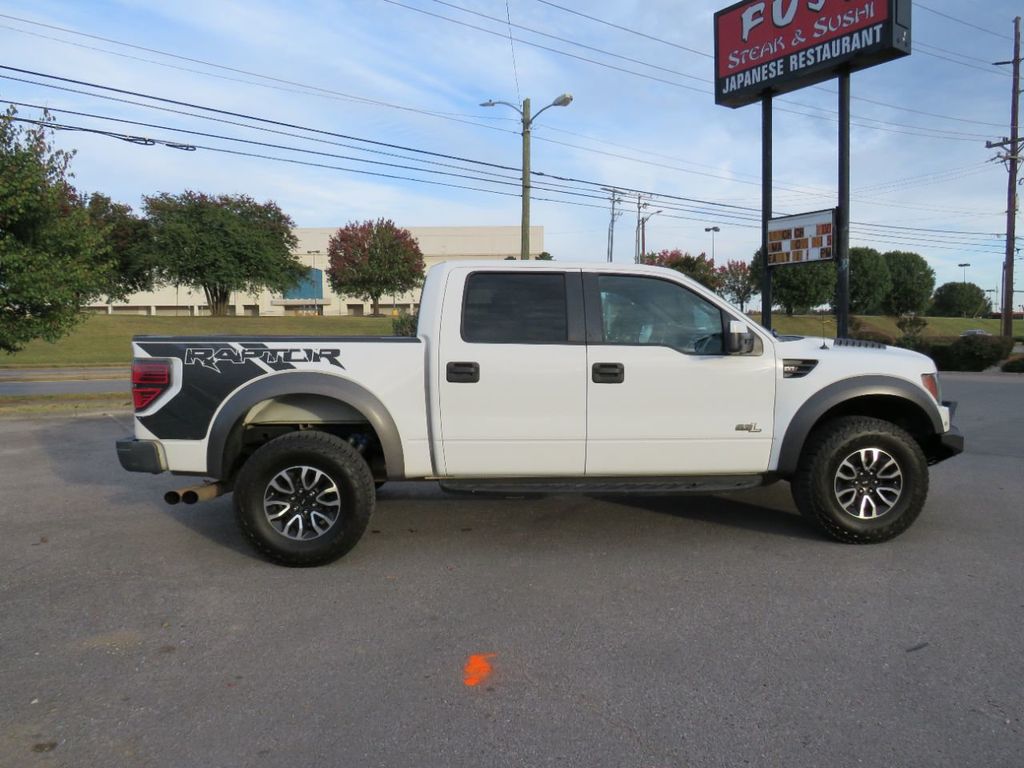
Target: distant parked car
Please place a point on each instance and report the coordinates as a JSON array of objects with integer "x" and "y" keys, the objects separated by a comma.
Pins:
[{"x": 975, "y": 332}]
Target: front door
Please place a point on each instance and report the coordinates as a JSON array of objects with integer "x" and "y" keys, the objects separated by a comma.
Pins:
[
  {"x": 513, "y": 374},
  {"x": 663, "y": 397}
]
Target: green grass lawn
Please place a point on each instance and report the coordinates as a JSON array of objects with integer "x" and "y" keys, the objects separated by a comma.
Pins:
[
  {"x": 810, "y": 325},
  {"x": 105, "y": 340}
]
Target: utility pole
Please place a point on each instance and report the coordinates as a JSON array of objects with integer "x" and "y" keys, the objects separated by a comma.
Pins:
[
  {"x": 639, "y": 208},
  {"x": 611, "y": 224},
  {"x": 1013, "y": 152}
]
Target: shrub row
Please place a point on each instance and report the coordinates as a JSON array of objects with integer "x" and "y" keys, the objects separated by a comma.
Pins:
[{"x": 962, "y": 353}]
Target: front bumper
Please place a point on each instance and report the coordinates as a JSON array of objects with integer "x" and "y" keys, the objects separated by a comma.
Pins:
[
  {"x": 948, "y": 444},
  {"x": 141, "y": 455}
]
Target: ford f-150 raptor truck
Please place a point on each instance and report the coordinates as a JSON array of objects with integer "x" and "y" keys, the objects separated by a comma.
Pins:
[{"x": 538, "y": 377}]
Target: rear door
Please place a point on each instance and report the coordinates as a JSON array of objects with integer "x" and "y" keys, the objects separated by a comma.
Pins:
[
  {"x": 512, "y": 376},
  {"x": 663, "y": 397}
]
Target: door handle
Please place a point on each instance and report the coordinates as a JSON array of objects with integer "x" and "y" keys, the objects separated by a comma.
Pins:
[
  {"x": 608, "y": 373},
  {"x": 463, "y": 373}
]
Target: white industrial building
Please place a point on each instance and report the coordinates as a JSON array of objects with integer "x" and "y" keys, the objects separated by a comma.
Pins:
[{"x": 314, "y": 296}]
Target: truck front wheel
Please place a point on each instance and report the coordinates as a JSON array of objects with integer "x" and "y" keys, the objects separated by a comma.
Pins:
[
  {"x": 304, "y": 498},
  {"x": 861, "y": 480}
]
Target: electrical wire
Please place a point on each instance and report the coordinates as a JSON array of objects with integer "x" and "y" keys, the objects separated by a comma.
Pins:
[
  {"x": 924, "y": 7},
  {"x": 549, "y": 179},
  {"x": 571, "y": 42},
  {"x": 627, "y": 29}
]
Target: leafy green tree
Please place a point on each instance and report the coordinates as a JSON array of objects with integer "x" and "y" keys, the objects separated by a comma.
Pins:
[
  {"x": 700, "y": 268},
  {"x": 53, "y": 261},
  {"x": 960, "y": 300},
  {"x": 545, "y": 256},
  {"x": 374, "y": 258},
  {"x": 870, "y": 282},
  {"x": 913, "y": 282},
  {"x": 223, "y": 243},
  {"x": 128, "y": 241},
  {"x": 736, "y": 283},
  {"x": 798, "y": 288}
]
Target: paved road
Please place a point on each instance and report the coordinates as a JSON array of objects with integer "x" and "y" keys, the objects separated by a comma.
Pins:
[
  {"x": 65, "y": 387},
  {"x": 704, "y": 631},
  {"x": 107, "y": 372}
]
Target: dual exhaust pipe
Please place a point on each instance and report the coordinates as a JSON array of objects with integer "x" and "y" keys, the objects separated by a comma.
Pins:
[{"x": 196, "y": 493}]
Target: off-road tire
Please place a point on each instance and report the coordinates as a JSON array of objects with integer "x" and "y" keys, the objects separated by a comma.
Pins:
[
  {"x": 340, "y": 462},
  {"x": 814, "y": 483}
]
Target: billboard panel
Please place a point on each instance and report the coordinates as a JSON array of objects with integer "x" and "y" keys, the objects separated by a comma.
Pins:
[
  {"x": 779, "y": 46},
  {"x": 802, "y": 238}
]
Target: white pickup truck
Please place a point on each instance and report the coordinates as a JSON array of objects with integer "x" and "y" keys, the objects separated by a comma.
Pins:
[{"x": 539, "y": 377}]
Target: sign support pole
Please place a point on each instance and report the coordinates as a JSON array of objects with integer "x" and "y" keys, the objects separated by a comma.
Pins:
[
  {"x": 843, "y": 213},
  {"x": 766, "y": 208}
]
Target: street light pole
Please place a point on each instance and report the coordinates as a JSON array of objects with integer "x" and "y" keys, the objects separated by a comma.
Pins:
[
  {"x": 524, "y": 235},
  {"x": 527, "y": 120},
  {"x": 964, "y": 266},
  {"x": 643, "y": 232},
  {"x": 712, "y": 230}
]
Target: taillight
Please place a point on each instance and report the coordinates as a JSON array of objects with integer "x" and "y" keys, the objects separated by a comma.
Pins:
[
  {"x": 150, "y": 379},
  {"x": 930, "y": 381}
]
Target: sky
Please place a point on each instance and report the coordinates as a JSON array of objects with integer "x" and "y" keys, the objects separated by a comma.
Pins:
[{"x": 411, "y": 75}]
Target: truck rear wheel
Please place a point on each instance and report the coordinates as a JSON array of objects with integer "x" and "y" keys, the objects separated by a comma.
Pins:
[
  {"x": 304, "y": 498},
  {"x": 861, "y": 480}
]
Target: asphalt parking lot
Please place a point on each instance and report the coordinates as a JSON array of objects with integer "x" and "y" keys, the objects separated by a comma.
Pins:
[{"x": 686, "y": 631}]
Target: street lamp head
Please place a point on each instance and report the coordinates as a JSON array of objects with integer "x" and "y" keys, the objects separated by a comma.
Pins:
[
  {"x": 488, "y": 103},
  {"x": 562, "y": 101},
  {"x": 712, "y": 229},
  {"x": 963, "y": 265}
]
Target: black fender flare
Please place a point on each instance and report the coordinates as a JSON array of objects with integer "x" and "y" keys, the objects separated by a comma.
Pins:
[
  {"x": 824, "y": 400},
  {"x": 304, "y": 383}
]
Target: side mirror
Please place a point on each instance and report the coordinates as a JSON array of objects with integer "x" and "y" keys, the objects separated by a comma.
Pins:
[{"x": 740, "y": 339}]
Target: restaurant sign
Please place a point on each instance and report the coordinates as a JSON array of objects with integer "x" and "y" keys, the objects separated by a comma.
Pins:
[{"x": 778, "y": 46}]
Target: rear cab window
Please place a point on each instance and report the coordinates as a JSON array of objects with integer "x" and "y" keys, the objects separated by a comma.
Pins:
[{"x": 515, "y": 308}]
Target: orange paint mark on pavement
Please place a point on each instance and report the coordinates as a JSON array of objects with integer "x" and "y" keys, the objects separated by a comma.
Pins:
[{"x": 477, "y": 669}]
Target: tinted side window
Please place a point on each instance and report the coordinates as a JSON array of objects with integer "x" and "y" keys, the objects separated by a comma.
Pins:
[
  {"x": 503, "y": 308},
  {"x": 646, "y": 310}
]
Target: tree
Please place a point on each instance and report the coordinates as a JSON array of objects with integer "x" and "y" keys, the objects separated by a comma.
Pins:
[
  {"x": 736, "y": 283},
  {"x": 52, "y": 259},
  {"x": 374, "y": 258},
  {"x": 545, "y": 256},
  {"x": 870, "y": 282},
  {"x": 221, "y": 244},
  {"x": 799, "y": 288},
  {"x": 913, "y": 282},
  {"x": 127, "y": 238},
  {"x": 960, "y": 300},
  {"x": 700, "y": 268}
]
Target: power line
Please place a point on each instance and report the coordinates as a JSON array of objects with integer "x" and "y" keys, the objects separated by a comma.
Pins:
[
  {"x": 924, "y": 7},
  {"x": 270, "y": 121},
  {"x": 570, "y": 42},
  {"x": 301, "y": 89},
  {"x": 627, "y": 29},
  {"x": 710, "y": 56},
  {"x": 455, "y": 117},
  {"x": 549, "y": 49},
  {"x": 550, "y": 179},
  {"x": 988, "y": 70},
  {"x": 215, "y": 65},
  {"x": 512, "y": 45},
  {"x": 954, "y": 53}
]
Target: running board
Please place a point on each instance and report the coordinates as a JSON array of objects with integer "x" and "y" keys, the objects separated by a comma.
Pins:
[{"x": 512, "y": 486}]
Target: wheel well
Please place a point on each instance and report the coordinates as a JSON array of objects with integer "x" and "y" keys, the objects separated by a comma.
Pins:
[
  {"x": 896, "y": 410},
  {"x": 280, "y": 415}
]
